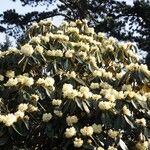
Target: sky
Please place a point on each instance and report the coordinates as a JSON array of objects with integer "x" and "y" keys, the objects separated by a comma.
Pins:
[{"x": 8, "y": 4}]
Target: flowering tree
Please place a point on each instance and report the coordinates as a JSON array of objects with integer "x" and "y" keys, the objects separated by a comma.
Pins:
[{"x": 70, "y": 88}]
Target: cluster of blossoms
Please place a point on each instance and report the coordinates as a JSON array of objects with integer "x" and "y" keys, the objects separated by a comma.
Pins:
[
  {"x": 102, "y": 73},
  {"x": 20, "y": 79},
  {"x": 76, "y": 84},
  {"x": 11, "y": 118},
  {"x": 47, "y": 82}
]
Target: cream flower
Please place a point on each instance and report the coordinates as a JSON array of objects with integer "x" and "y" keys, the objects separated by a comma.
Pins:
[
  {"x": 25, "y": 80},
  {"x": 39, "y": 49},
  {"x": 9, "y": 120},
  {"x": 94, "y": 85},
  {"x": 97, "y": 128},
  {"x": 142, "y": 145},
  {"x": 58, "y": 113},
  {"x": 85, "y": 91},
  {"x": 69, "y": 53},
  {"x": 69, "y": 92},
  {"x": 112, "y": 148},
  {"x": 126, "y": 111},
  {"x": 110, "y": 97},
  {"x": 47, "y": 117},
  {"x": 72, "y": 74},
  {"x": 22, "y": 107},
  {"x": 27, "y": 50},
  {"x": 106, "y": 105},
  {"x": 49, "y": 81},
  {"x": 19, "y": 114},
  {"x": 28, "y": 81},
  {"x": 11, "y": 82},
  {"x": 36, "y": 40},
  {"x": 10, "y": 74},
  {"x": 56, "y": 102},
  {"x": 141, "y": 122},
  {"x": 71, "y": 120},
  {"x": 78, "y": 142},
  {"x": 32, "y": 108},
  {"x": 34, "y": 97},
  {"x": 73, "y": 30},
  {"x": 87, "y": 131},
  {"x": 99, "y": 148},
  {"x": 113, "y": 134},
  {"x": 96, "y": 96},
  {"x": 70, "y": 132},
  {"x": 1, "y": 77}
]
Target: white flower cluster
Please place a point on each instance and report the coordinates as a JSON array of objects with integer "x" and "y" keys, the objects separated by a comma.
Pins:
[
  {"x": 20, "y": 79},
  {"x": 112, "y": 94},
  {"x": 56, "y": 102},
  {"x": 142, "y": 145},
  {"x": 46, "y": 117},
  {"x": 113, "y": 134},
  {"x": 141, "y": 122},
  {"x": 69, "y": 53},
  {"x": 87, "y": 131},
  {"x": 58, "y": 113},
  {"x": 102, "y": 73},
  {"x": 94, "y": 85},
  {"x": 11, "y": 118},
  {"x": 39, "y": 49},
  {"x": 25, "y": 80},
  {"x": 69, "y": 92},
  {"x": 106, "y": 105},
  {"x": 85, "y": 92},
  {"x": 10, "y": 74},
  {"x": 126, "y": 111},
  {"x": 59, "y": 37},
  {"x": 136, "y": 67},
  {"x": 1, "y": 77},
  {"x": 78, "y": 142},
  {"x": 55, "y": 53},
  {"x": 47, "y": 82},
  {"x": 71, "y": 74},
  {"x": 70, "y": 132},
  {"x": 34, "y": 97},
  {"x": 71, "y": 120},
  {"x": 27, "y": 50},
  {"x": 73, "y": 30},
  {"x": 8, "y": 52},
  {"x": 8, "y": 120},
  {"x": 97, "y": 128}
]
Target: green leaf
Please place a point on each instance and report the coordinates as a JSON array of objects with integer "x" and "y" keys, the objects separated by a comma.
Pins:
[
  {"x": 79, "y": 104},
  {"x": 20, "y": 128},
  {"x": 66, "y": 65},
  {"x": 80, "y": 81},
  {"x": 85, "y": 107},
  {"x": 123, "y": 145},
  {"x": 129, "y": 122},
  {"x": 25, "y": 63},
  {"x": 3, "y": 140},
  {"x": 106, "y": 120}
]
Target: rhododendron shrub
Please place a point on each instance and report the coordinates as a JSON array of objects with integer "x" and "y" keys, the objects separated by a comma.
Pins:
[{"x": 70, "y": 88}]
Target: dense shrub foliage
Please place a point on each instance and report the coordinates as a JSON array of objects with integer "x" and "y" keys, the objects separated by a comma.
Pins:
[{"x": 70, "y": 88}]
